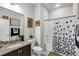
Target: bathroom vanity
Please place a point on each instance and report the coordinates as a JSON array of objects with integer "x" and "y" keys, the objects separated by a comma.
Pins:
[
  {"x": 23, "y": 51},
  {"x": 18, "y": 49}
]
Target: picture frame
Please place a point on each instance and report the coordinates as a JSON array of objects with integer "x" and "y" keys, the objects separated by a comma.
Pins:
[
  {"x": 15, "y": 31},
  {"x": 37, "y": 23},
  {"x": 30, "y": 22},
  {"x": 14, "y": 22},
  {"x": 5, "y": 17}
]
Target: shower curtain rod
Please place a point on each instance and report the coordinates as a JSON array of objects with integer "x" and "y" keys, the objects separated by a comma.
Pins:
[{"x": 60, "y": 18}]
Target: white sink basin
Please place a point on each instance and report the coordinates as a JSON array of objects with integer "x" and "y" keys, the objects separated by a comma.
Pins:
[{"x": 14, "y": 45}]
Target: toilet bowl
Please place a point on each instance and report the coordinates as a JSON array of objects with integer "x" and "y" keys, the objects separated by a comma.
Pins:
[{"x": 37, "y": 50}]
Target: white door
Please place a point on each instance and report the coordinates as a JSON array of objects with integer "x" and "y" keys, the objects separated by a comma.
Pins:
[
  {"x": 4, "y": 30},
  {"x": 48, "y": 37}
]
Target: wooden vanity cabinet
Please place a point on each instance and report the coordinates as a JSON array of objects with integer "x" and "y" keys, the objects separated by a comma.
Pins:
[{"x": 24, "y": 51}]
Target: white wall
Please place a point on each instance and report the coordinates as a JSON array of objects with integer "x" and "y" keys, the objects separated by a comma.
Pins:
[
  {"x": 61, "y": 12},
  {"x": 40, "y": 14},
  {"x": 44, "y": 13},
  {"x": 38, "y": 28}
]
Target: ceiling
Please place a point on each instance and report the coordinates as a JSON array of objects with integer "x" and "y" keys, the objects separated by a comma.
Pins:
[{"x": 52, "y": 6}]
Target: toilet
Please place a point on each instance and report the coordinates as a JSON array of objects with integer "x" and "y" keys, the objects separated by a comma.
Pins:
[{"x": 36, "y": 50}]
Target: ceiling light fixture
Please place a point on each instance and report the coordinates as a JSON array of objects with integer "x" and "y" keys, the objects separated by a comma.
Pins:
[{"x": 57, "y": 5}]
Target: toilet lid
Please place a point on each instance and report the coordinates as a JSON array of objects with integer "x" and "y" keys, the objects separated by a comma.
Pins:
[{"x": 37, "y": 48}]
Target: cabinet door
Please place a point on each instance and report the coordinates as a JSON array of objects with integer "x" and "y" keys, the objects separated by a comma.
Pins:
[
  {"x": 26, "y": 51},
  {"x": 13, "y": 53}
]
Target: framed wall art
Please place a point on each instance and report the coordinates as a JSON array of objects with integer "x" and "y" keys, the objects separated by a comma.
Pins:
[
  {"x": 37, "y": 23},
  {"x": 15, "y": 31},
  {"x": 14, "y": 22},
  {"x": 30, "y": 23},
  {"x": 5, "y": 17}
]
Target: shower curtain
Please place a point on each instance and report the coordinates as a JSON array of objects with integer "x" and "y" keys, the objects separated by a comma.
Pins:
[{"x": 64, "y": 35}]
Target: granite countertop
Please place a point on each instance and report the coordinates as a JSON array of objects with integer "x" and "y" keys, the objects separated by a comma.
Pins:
[{"x": 6, "y": 50}]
